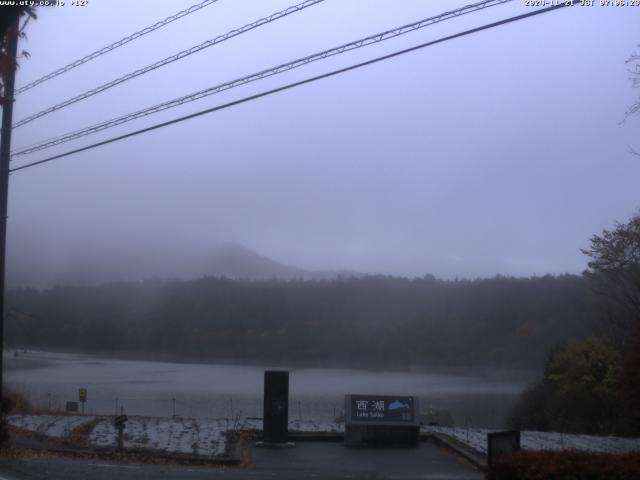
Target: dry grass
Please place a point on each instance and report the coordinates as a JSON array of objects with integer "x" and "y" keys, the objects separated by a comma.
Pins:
[{"x": 18, "y": 403}]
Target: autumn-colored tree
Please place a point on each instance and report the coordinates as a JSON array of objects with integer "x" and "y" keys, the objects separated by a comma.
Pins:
[
  {"x": 614, "y": 272},
  {"x": 579, "y": 392},
  {"x": 630, "y": 385}
]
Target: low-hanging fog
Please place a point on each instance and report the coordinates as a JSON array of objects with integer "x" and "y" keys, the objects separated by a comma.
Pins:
[{"x": 496, "y": 153}]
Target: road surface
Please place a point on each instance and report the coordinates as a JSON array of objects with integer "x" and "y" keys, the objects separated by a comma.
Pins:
[{"x": 307, "y": 460}]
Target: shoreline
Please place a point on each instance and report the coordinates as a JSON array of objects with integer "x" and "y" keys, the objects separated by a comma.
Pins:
[{"x": 500, "y": 372}]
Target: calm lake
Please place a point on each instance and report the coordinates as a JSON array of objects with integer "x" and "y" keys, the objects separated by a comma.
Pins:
[{"x": 151, "y": 388}]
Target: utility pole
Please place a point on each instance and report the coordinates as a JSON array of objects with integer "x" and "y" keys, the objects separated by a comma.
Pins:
[{"x": 11, "y": 37}]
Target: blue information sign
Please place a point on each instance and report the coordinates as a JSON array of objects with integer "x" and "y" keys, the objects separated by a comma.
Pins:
[{"x": 381, "y": 409}]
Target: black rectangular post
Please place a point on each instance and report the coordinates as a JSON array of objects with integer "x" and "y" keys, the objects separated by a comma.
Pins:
[
  {"x": 501, "y": 443},
  {"x": 276, "y": 406}
]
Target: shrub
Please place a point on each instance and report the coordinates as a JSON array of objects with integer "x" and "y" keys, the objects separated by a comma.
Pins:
[
  {"x": 579, "y": 392},
  {"x": 11, "y": 402},
  {"x": 566, "y": 465}
]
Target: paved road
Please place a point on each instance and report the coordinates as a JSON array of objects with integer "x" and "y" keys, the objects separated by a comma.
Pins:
[{"x": 308, "y": 460}]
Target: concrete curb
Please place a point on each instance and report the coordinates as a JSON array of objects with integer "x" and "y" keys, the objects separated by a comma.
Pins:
[
  {"x": 300, "y": 436},
  {"x": 142, "y": 455},
  {"x": 472, "y": 456},
  {"x": 316, "y": 436}
]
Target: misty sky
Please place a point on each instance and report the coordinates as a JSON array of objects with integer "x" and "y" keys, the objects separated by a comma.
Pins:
[{"x": 500, "y": 152}]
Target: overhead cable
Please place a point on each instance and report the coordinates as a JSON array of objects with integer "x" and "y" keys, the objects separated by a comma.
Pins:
[
  {"x": 294, "y": 84},
  {"x": 161, "y": 63},
  {"x": 117, "y": 44},
  {"x": 372, "y": 39}
]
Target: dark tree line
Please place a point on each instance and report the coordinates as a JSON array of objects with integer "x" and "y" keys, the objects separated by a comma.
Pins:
[{"x": 377, "y": 320}]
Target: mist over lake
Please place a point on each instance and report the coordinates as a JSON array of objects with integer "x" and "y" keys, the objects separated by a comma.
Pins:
[{"x": 49, "y": 380}]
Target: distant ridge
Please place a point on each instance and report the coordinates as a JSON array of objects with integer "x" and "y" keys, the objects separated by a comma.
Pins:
[
  {"x": 234, "y": 260},
  {"x": 96, "y": 266}
]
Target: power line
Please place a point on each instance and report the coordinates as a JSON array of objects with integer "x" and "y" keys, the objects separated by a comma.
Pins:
[
  {"x": 376, "y": 38},
  {"x": 161, "y": 63},
  {"x": 119, "y": 43},
  {"x": 295, "y": 84}
]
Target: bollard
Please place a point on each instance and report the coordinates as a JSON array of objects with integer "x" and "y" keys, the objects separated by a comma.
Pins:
[
  {"x": 119, "y": 422},
  {"x": 501, "y": 443}
]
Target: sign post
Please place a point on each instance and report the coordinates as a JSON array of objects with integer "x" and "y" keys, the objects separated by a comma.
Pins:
[{"x": 82, "y": 396}]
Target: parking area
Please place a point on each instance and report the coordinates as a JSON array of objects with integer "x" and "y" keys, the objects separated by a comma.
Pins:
[{"x": 307, "y": 460}]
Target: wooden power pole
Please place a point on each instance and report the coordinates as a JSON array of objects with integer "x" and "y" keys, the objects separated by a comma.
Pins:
[{"x": 11, "y": 48}]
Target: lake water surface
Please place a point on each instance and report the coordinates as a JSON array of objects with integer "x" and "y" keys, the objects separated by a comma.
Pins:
[{"x": 151, "y": 388}]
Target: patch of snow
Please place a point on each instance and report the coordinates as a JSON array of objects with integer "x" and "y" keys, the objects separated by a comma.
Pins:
[
  {"x": 103, "y": 435},
  {"x": 296, "y": 426},
  {"x": 59, "y": 426},
  {"x": 204, "y": 437},
  {"x": 172, "y": 435}
]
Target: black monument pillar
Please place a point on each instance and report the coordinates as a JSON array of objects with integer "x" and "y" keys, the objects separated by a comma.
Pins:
[{"x": 276, "y": 406}]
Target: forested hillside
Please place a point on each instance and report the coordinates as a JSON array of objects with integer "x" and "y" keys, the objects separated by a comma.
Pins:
[{"x": 373, "y": 320}]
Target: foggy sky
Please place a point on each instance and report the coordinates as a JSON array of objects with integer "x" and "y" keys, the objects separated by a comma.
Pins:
[{"x": 500, "y": 152}]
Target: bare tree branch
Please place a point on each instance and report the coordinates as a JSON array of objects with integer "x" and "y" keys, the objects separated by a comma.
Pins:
[{"x": 634, "y": 70}]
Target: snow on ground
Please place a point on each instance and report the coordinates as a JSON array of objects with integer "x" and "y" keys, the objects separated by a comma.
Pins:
[
  {"x": 172, "y": 435},
  {"x": 306, "y": 426},
  {"x": 201, "y": 437},
  {"x": 206, "y": 437},
  {"x": 476, "y": 438},
  {"x": 51, "y": 425}
]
